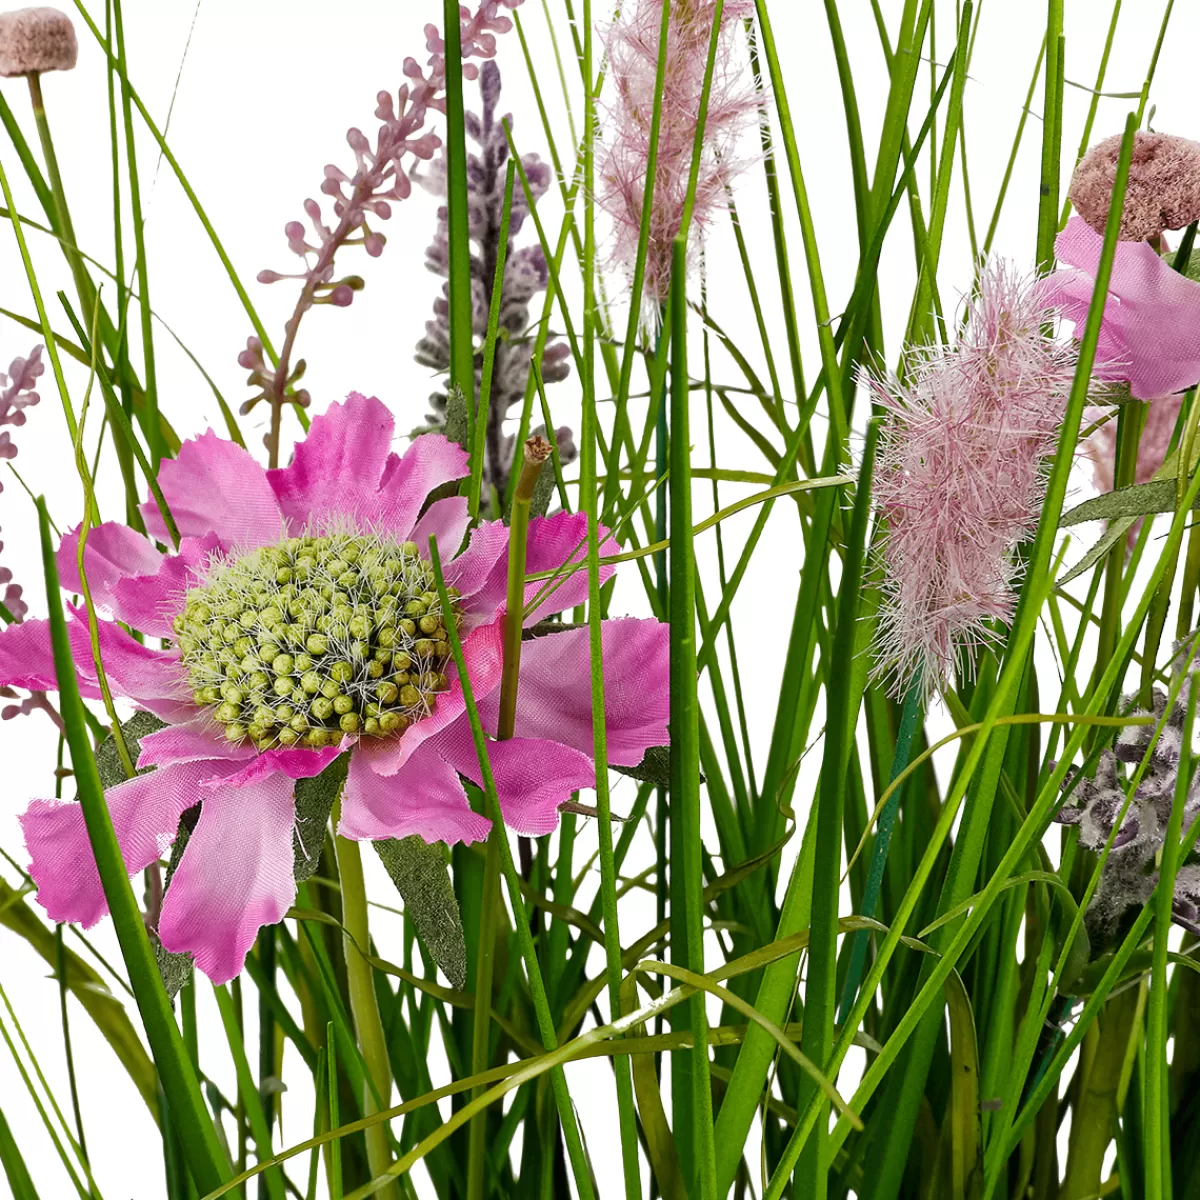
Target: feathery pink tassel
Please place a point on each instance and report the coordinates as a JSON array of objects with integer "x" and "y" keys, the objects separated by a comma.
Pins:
[{"x": 961, "y": 478}]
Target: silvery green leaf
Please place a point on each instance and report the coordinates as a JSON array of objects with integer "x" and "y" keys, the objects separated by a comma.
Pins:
[
  {"x": 314, "y": 801},
  {"x": 422, "y": 878},
  {"x": 108, "y": 757}
]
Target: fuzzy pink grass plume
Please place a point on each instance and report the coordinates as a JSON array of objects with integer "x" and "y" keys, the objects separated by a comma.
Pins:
[
  {"x": 632, "y": 47},
  {"x": 961, "y": 477}
]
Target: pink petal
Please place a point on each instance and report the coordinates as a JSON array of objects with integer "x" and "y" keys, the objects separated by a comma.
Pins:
[
  {"x": 553, "y": 542},
  {"x": 1151, "y": 330},
  {"x": 145, "y": 814},
  {"x": 430, "y": 461},
  {"x": 150, "y": 602},
  {"x": 235, "y": 875},
  {"x": 152, "y": 679},
  {"x": 483, "y": 653},
  {"x": 27, "y": 659},
  {"x": 424, "y": 796},
  {"x": 533, "y": 775},
  {"x": 197, "y": 740},
  {"x": 554, "y": 696},
  {"x": 214, "y": 486},
  {"x": 448, "y": 520},
  {"x": 113, "y": 552},
  {"x": 345, "y": 467},
  {"x": 336, "y": 470},
  {"x": 295, "y": 762}
]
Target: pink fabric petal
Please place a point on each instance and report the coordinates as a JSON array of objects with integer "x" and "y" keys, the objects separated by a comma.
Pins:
[
  {"x": 336, "y": 469},
  {"x": 345, "y": 467},
  {"x": 424, "y": 797},
  {"x": 113, "y": 552},
  {"x": 553, "y": 542},
  {"x": 27, "y": 659},
  {"x": 150, "y": 602},
  {"x": 294, "y": 762},
  {"x": 152, "y": 679},
  {"x": 197, "y": 740},
  {"x": 145, "y": 814},
  {"x": 1151, "y": 330},
  {"x": 533, "y": 775},
  {"x": 235, "y": 875},
  {"x": 555, "y": 702},
  {"x": 214, "y": 486},
  {"x": 483, "y": 653},
  {"x": 430, "y": 461},
  {"x": 448, "y": 520}
]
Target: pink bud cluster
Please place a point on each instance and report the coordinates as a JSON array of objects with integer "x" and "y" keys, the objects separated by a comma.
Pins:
[
  {"x": 380, "y": 177},
  {"x": 961, "y": 477},
  {"x": 632, "y": 47},
  {"x": 18, "y": 391}
]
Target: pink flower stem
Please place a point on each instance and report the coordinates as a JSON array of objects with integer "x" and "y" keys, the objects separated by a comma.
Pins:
[{"x": 303, "y": 303}]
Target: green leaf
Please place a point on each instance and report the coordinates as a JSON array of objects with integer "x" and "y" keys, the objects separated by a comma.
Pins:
[
  {"x": 108, "y": 760},
  {"x": 455, "y": 427},
  {"x": 15, "y": 1170},
  {"x": 655, "y": 767},
  {"x": 422, "y": 878},
  {"x": 543, "y": 491},
  {"x": 1137, "y": 500},
  {"x": 175, "y": 969},
  {"x": 314, "y": 800}
]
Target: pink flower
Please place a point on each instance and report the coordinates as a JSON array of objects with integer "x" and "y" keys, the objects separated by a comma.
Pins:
[
  {"x": 632, "y": 48},
  {"x": 1150, "y": 336},
  {"x": 960, "y": 478},
  {"x": 303, "y": 627}
]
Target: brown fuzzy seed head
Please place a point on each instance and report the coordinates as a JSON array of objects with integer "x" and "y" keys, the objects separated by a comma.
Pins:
[
  {"x": 33, "y": 40},
  {"x": 1163, "y": 190}
]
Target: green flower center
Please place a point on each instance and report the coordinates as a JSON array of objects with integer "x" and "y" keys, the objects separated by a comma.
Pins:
[{"x": 300, "y": 643}]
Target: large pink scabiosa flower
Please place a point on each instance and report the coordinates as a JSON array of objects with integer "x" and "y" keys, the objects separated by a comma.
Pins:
[
  {"x": 632, "y": 46},
  {"x": 960, "y": 477},
  {"x": 303, "y": 624}
]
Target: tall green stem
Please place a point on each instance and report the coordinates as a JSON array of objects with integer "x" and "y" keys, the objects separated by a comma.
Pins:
[{"x": 364, "y": 1007}]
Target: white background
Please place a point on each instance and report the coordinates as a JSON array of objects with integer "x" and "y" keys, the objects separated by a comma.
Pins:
[{"x": 264, "y": 98}]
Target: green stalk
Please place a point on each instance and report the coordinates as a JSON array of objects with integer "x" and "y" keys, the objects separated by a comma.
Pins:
[
  {"x": 691, "y": 1072},
  {"x": 153, "y": 434},
  {"x": 363, "y": 1005},
  {"x": 537, "y": 450},
  {"x": 842, "y": 709},
  {"x": 1047, "y": 226},
  {"x": 462, "y": 348},
  {"x": 533, "y": 972},
  {"x": 200, "y": 1145},
  {"x": 1156, "y": 1118},
  {"x": 909, "y": 716}
]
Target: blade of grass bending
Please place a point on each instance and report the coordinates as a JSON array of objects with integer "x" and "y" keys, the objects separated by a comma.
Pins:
[
  {"x": 462, "y": 348},
  {"x": 909, "y": 717},
  {"x": 841, "y": 707},
  {"x": 15, "y": 1170},
  {"x": 200, "y": 1143},
  {"x": 249, "y": 1093},
  {"x": 537, "y": 988},
  {"x": 478, "y": 440}
]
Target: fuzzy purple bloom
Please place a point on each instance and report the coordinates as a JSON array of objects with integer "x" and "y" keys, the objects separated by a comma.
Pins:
[
  {"x": 525, "y": 275},
  {"x": 960, "y": 477},
  {"x": 632, "y": 48}
]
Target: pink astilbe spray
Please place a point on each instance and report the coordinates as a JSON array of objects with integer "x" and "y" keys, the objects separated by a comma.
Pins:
[
  {"x": 632, "y": 48},
  {"x": 381, "y": 176},
  {"x": 961, "y": 476}
]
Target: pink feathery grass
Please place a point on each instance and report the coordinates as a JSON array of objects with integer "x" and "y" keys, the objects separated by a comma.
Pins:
[
  {"x": 632, "y": 48},
  {"x": 961, "y": 477}
]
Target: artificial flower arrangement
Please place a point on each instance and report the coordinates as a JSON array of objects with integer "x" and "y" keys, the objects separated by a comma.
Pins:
[{"x": 427, "y": 642}]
